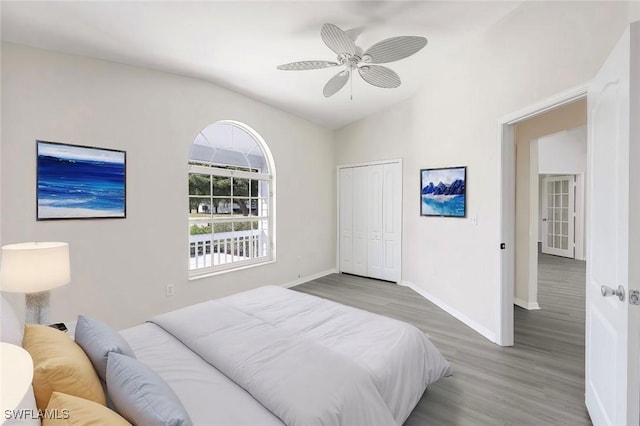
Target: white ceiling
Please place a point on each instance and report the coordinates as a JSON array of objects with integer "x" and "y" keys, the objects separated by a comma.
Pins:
[{"x": 238, "y": 44}]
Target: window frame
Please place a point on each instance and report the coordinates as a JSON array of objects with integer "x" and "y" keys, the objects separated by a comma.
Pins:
[{"x": 216, "y": 170}]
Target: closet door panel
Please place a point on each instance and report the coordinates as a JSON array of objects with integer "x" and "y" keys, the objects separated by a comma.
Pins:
[
  {"x": 375, "y": 251},
  {"x": 392, "y": 222},
  {"x": 360, "y": 220},
  {"x": 346, "y": 220}
]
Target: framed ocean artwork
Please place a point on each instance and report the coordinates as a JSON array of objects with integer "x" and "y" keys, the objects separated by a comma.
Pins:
[
  {"x": 443, "y": 192},
  {"x": 80, "y": 182}
]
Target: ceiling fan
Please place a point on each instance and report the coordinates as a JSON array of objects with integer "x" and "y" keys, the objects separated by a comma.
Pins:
[{"x": 354, "y": 58}]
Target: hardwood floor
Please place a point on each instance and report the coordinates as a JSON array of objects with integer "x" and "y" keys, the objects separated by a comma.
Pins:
[{"x": 538, "y": 381}]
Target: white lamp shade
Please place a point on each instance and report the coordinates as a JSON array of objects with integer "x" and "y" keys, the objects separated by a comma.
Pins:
[
  {"x": 34, "y": 267},
  {"x": 16, "y": 374}
]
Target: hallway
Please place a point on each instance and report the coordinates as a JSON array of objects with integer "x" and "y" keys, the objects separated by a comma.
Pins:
[{"x": 557, "y": 329}]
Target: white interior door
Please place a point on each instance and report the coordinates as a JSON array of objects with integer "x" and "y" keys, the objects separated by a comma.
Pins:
[
  {"x": 374, "y": 214},
  {"x": 392, "y": 222},
  {"x": 612, "y": 358},
  {"x": 558, "y": 216},
  {"x": 346, "y": 220},
  {"x": 360, "y": 221}
]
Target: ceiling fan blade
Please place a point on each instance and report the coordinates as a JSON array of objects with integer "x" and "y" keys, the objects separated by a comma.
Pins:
[
  {"x": 394, "y": 49},
  {"x": 336, "y": 83},
  {"x": 307, "y": 65},
  {"x": 337, "y": 40},
  {"x": 354, "y": 33},
  {"x": 379, "y": 76}
]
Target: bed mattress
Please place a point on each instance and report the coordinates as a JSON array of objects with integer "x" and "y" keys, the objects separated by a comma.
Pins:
[{"x": 273, "y": 356}]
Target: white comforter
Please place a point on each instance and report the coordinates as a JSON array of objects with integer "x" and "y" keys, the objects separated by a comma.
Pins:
[{"x": 311, "y": 361}]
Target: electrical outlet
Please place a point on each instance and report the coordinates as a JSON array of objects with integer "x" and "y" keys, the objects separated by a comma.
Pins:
[{"x": 170, "y": 290}]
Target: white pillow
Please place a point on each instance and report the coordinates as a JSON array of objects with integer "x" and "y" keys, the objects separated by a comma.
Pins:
[{"x": 11, "y": 328}]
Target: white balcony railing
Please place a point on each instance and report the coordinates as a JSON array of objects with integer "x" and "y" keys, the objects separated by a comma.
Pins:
[{"x": 223, "y": 248}]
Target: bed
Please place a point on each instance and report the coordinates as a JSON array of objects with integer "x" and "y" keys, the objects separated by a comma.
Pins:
[{"x": 274, "y": 356}]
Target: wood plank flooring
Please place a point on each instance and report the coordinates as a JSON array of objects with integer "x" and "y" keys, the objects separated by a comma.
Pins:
[{"x": 538, "y": 381}]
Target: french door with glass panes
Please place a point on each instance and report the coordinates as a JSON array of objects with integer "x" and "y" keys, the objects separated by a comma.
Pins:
[{"x": 558, "y": 216}]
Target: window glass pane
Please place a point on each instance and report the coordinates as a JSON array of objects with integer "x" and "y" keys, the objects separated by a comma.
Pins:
[
  {"x": 550, "y": 188},
  {"x": 240, "y": 187},
  {"x": 201, "y": 154},
  {"x": 565, "y": 228},
  {"x": 557, "y": 214},
  {"x": 549, "y": 214},
  {"x": 565, "y": 186},
  {"x": 200, "y": 247},
  {"x": 222, "y": 227},
  {"x": 221, "y": 186},
  {"x": 199, "y": 184},
  {"x": 550, "y": 240},
  {"x": 253, "y": 208},
  {"x": 242, "y": 206},
  {"x": 199, "y": 206},
  {"x": 556, "y": 242},
  {"x": 550, "y": 201},
  {"x": 565, "y": 243},
  {"x": 242, "y": 238},
  {"x": 565, "y": 214},
  {"x": 558, "y": 187},
  {"x": 254, "y": 188},
  {"x": 261, "y": 239},
  {"x": 263, "y": 189},
  {"x": 565, "y": 200},
  {"x": 263, "y": 207},
  {"x": 228, "y": 157},
  {"x": 222, "y": 206},
  {"x": 558, "y": 201}
]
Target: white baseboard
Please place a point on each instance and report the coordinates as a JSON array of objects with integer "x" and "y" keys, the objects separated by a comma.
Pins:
[
  {"x": 312, "y": 277},
  {"x": 452, "y": 311},
  {"x": 530, "y": 306}
]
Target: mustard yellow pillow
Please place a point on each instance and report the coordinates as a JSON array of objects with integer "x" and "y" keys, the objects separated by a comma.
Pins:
[
  {"x": 60, "y": 365},
  {"x": 68, "y": 410}
]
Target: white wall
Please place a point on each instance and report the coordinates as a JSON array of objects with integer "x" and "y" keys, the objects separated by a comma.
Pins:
[
  {"x": 563, "y": 153},
  {"x": 120, "y": 268},
  {"x": 539, "y": 50}
]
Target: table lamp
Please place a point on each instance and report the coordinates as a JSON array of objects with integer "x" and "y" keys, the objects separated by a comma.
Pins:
[
  {"x": 34, "y": 269},
  {"x": 16, "y": 372}
]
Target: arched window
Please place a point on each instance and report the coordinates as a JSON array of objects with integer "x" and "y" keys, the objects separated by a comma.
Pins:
[{"x": 231, "y": 211}]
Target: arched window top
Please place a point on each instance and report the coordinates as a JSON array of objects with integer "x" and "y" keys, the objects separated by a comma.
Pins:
[{"x": 230, "y": 144}]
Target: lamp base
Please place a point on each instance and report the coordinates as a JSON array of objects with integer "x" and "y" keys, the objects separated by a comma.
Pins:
[{"x": 37, "y": 310}]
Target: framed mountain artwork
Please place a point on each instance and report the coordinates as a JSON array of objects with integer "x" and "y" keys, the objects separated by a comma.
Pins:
[{"x": 443, "y": 192}]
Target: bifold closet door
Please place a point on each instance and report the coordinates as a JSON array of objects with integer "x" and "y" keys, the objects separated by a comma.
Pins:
[{"x": 371, "y": 221}]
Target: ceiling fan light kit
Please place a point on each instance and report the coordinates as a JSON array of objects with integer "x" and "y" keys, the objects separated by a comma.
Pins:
[{"x": 354, "y": 58}]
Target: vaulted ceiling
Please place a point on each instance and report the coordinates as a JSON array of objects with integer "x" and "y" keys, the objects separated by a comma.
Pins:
[{"x": 237, "y": 45}]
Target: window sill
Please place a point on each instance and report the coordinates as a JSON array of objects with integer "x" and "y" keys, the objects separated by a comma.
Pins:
[{"x": 196, "y": 275}]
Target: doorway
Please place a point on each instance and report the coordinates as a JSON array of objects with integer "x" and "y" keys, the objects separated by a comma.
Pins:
[
  {"x": 551, "y": 151},
  {"x": 507, "y": 198}
]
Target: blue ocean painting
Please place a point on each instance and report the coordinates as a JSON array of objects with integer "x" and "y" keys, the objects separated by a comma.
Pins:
[
  {"x": 443, "y": 192},
  {"x": 80, "y": 182}
]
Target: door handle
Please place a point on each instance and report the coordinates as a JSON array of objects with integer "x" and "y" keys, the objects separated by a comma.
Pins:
[
  {"x": 608, "y": 291},
  {"x": 544, "y": 219}
]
